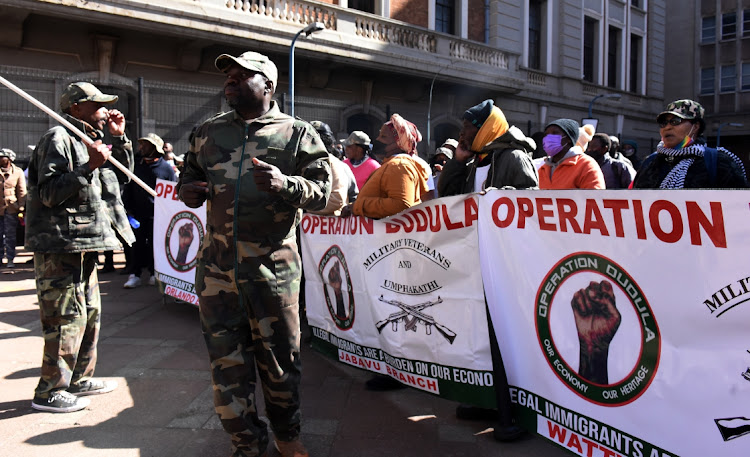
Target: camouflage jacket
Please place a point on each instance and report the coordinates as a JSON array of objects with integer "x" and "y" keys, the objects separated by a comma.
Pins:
[
  {"x": 221, "y": 153},
  {"x": 70, "y": 208}
]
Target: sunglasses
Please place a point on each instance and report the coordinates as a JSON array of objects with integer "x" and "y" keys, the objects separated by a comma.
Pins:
[{"x": 675, "y": 121}]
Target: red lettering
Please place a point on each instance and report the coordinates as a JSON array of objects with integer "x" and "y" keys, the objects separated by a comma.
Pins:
[
  {"x": 567, "y": 210},
  {"x": 324, "y": 226},
  {"x": 640, "y": 226},
  {"x": 407, "y": 227},
  {"x": 338, "y": 226},
  {"x": 390, "y": 227},
  {"x": 593, "y": 219},
  {"x": 617, "y": 206},
  {"x": 432, "y": 385},
  {"x": 159, "y": 189},
  {"x": 435, "y": 223},
  {"x": 525, "y": 210},
  {"x": 305, "y": 223},
  {"x": 608, "y": 453},
  {"x": 556, "y": 432},
  {"x": 448, "y": 223},
  {"x": 574, "y": 443},
  {"x": 714, "y": 230},
  {"x": 315, "y": 223},
  {"x": 376, "y": 366},
  {"x": 471, "y": 211},
  {"x": 674, "y": 213},
  {"x": 543, "y": 213},
  {"x": 590, "y": 446},
  {"x": 168, "y": 189},
  {"x": 420, "y": 382},
  {"x": 503, "y": 223},
  {"x": 366, "y": 224},
  {"x": 175, "y": 195},
  {"x": 421, "y": 219}
]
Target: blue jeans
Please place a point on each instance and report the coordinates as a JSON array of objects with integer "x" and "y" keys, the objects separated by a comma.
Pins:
[{"x": 8, "y": 223}]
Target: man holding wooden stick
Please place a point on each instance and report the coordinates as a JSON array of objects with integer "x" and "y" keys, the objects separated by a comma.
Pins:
[{"x": 69, "y": 220}]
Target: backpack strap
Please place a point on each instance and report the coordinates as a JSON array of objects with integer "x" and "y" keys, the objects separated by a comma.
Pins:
[{"x": 710, "y": 157}]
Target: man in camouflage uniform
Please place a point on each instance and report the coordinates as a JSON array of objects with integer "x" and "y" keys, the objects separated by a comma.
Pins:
[
  {"x": 257, "y": 168},
  {"x": 71, "y": 210}
]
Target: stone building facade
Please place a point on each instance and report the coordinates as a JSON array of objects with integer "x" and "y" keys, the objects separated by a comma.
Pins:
[{"x": 428, "y": 60}]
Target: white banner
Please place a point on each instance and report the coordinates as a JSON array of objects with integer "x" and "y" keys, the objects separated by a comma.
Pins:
[
  {"x": 402, "y": 296},
  {"x": 178, "y": 232},
  {"x": 622, "y": 317}
]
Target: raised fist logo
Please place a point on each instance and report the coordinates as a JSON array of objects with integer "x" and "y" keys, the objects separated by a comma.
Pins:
[
  {"x": 185, "y": 233},
  {"x": 597, "y": 320},
  {"x": 334, "y": 279}
]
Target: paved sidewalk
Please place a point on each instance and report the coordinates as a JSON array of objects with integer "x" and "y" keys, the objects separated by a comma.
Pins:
[{"x": 154, "y": 349}]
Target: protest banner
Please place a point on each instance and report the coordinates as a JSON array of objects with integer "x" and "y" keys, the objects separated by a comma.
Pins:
[
  {"x": 178, "y": 233},
  {"x": 622, "y": 317},
  {"x": 402, "y": 296}
]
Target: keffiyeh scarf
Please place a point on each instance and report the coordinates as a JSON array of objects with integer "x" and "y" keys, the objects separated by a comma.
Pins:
[{"x": 675, "y": 179}]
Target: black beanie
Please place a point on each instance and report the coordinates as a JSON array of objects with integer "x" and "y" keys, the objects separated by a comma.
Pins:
[
  {"x": 478, "y": 114},
  {"x": 569, "y": 126}
]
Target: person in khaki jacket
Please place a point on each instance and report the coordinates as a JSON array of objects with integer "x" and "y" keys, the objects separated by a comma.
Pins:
[{"x": 13, "y": 183}]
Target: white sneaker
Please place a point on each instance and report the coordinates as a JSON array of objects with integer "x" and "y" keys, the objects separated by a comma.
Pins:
[
  {"x": 152, "y": 280},
  {"x": 132, "y": 282}
]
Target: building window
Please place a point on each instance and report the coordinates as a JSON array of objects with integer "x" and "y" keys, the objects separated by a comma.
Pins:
[
  {"x": 445, "y": 16},
  {"x": 729, "y": 26},
  {"x": 636, "y": 3},
  {"x": 368, "y": 6},
  {"x": 746, "y": 76},
  {"x": 589, "y": 48},
  {"x": 708, "y": 30},
  {"x": 535, "y": 34},
  {"x": 635, "y": 62},
  {"x": 708, "y": 77},
  {"x": 746, "y": 23},
  {"x": 728, "y": 78},
  {"x": 613, "y": 56}
]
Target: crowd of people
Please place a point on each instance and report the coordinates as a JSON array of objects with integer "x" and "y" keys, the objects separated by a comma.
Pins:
[{"x": 256, "y": 168}]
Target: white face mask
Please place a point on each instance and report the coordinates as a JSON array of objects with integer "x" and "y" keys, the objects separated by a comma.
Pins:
[{"x": 171, "y": 162}]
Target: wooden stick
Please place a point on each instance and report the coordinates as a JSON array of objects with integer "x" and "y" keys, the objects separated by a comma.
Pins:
[{"x": 85, "y": 138}]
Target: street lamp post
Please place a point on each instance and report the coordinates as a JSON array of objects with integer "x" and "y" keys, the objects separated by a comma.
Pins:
[
  {"x": 731, "y": 124},
  {"x": 429, "y": 108},
  {"x": 591, "y": 103},
  {"x": 309, "y": 30}
]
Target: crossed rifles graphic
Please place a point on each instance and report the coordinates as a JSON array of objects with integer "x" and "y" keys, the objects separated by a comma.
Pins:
[{"x": 413, "y": 315}]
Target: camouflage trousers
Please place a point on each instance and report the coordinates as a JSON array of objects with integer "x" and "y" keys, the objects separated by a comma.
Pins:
[
  {"x": 249, "y": 315},
  {"x": 8, "y": 224},
  {"x": 69, "y": 306}
]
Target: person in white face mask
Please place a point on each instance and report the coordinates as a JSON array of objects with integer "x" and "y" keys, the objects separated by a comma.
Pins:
[{"x": 567, "y": 166}]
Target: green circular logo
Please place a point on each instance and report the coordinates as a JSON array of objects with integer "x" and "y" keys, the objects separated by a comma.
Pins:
[
  {"x": 334, "y": 274},
  {"x": 598, "y": 303},
  {"x": 183, "y": 243}
]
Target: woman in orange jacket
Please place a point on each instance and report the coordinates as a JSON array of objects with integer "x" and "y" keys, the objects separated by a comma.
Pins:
[
  {"x": 566, "y": 165},
  {"x": 400, "y": 182}
]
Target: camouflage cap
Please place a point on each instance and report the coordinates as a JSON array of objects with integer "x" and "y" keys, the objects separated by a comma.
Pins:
[
  {"x": 155, "y": 140},
  {"x": 83, "y": 92},
  {"x": 685, "y": 109},
  {"x": 5, "y": 152},
  {"x": 357, "y": 137},
  {"x": 252, "y": 61}
]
